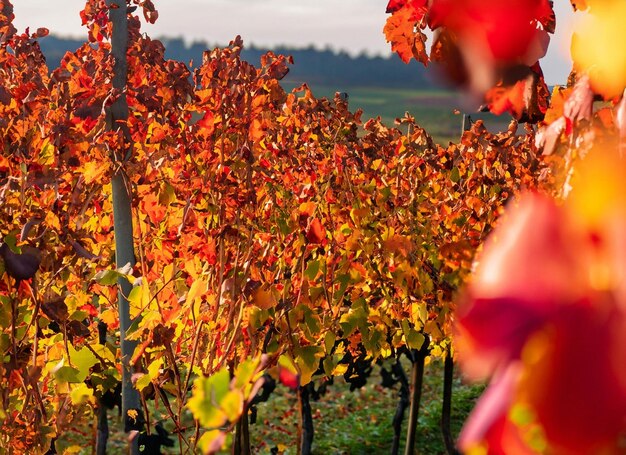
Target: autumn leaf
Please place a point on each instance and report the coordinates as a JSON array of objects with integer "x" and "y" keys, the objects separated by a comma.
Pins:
[
  {"x": 95, "y": 172},
  {"x": 206, "y": 125},
  {"x": 41, "y": 32},
  {"x": 149, "y": 11},
  {"x": 526, "y": 100},
  {"x": 557, "y": 103},
  {"x": 288, "y": 373},
  {"x": 418, "y": 8},
  {"x": 207, "y": 397},
  {"x": 264, "y": 298},
  {"x": 315, "y": 232},
  {"x": 402, "y": 31}
]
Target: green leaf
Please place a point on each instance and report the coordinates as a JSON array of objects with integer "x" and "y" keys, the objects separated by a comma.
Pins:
[
  {"x": 154, "y": 369},
  {"x": 206, "y": 397},
  {"x": 414, "y": 339},
  {"x": 11, "y": 241},
  {"x": 283, "y": 226},
  {"x": 81, "y": 393},
  {"x": 356, "y": 317},
  {"x": 212, "y": 441},
  {"x": 111, "y": 277},
  {"x": 455, "y": 175},
  {"x": 245, "y": 373},
  {"x": 308, "y": 359},
  {"x": 82, "y": 360},
  {"x": 167, "y": 194},
  {"x": 315, "y": 293},
  {"x": 142, "y": 382},
  {"x": 232, "y": 405},
  {"x": 107, "y": 277},
  {"x": 312, "y": 323},
  {"x": 329, "y": 341},
  {"x": 67, "y": 374},
  {"x": 329, "y": 365},
  {"x": 343, "y": 280},
  {"x": 312, "y": 269},
  {"x": 5, "y": 309},
  {"x": 135, "y": 296}
]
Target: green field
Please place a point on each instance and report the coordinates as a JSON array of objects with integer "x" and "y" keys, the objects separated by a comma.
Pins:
[
  {"x": 434, "y": 110},
  {"x": 359, "y": 422},
  {"x": 345, "y": 422}
]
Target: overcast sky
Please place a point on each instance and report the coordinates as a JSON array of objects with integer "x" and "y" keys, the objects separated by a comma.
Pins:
[{"x": 351, "y": 25}]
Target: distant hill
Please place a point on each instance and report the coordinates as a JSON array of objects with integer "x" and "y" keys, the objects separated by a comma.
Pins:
[{"x": 316, "y": 67}]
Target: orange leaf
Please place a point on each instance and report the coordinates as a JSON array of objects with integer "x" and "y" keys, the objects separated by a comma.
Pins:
[
  {"x": 206, "y": 125},
  {"x": 526, "y": 99},
  {"x": 306, "y": 208},
  {"x": 401, "y": 30},
  {"x": 557, "y": 100},
  {"x": 263, "y": 298}
]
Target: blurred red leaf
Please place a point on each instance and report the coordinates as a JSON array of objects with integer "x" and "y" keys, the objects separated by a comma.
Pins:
[
  {"x": 548, "y": 308},
  {"x": 506, "y": 30},
  {"x": 288, "y": 378},
  {"x": 418, "y": 8}
]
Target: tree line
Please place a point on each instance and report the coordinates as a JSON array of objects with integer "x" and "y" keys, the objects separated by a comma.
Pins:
[{"x": 325, "y": 67}]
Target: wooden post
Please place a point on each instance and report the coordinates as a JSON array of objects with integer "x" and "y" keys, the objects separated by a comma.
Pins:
[
  {"x": 467, "y": 123},
  {"x": 446, "y": 406},
  {"x": 122, "y": 213},
  {"x": 417, "y": 376}
]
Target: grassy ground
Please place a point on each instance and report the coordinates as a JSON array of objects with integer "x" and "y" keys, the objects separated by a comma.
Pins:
[
  {"x": 359, "y": 422},
  {"x": 434, "y": 110},
  {"x": 345, "y": 422}
]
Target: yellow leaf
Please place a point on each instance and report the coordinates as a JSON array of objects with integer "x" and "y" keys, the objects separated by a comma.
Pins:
[
  {"x": 52, "y": 221},
  {"x": 81, "y": 394},
  {"x": 94, "y": 171},
  {"x": 198, "y": 287},
  {"x": 212, "y": 441},
  {"x": 596, "y": 49},
  {"x": 132, "y": 414},
  {"x": 340, "y": 369},
  {"x": 109, "y": 317}
]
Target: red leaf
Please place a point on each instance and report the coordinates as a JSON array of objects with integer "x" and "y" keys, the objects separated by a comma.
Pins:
[
  {"x": 41, "y": 32},
  {"x": 511, "y": 277},
  {"x": 315, "y": 232},
  {"x": 206, "y": 125},
  {"x": 488, "y": 420},
  {"x": 581, "y": 410},
  {"x": 288, "y": 378},
  {"x": 418, "y": 8}
]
